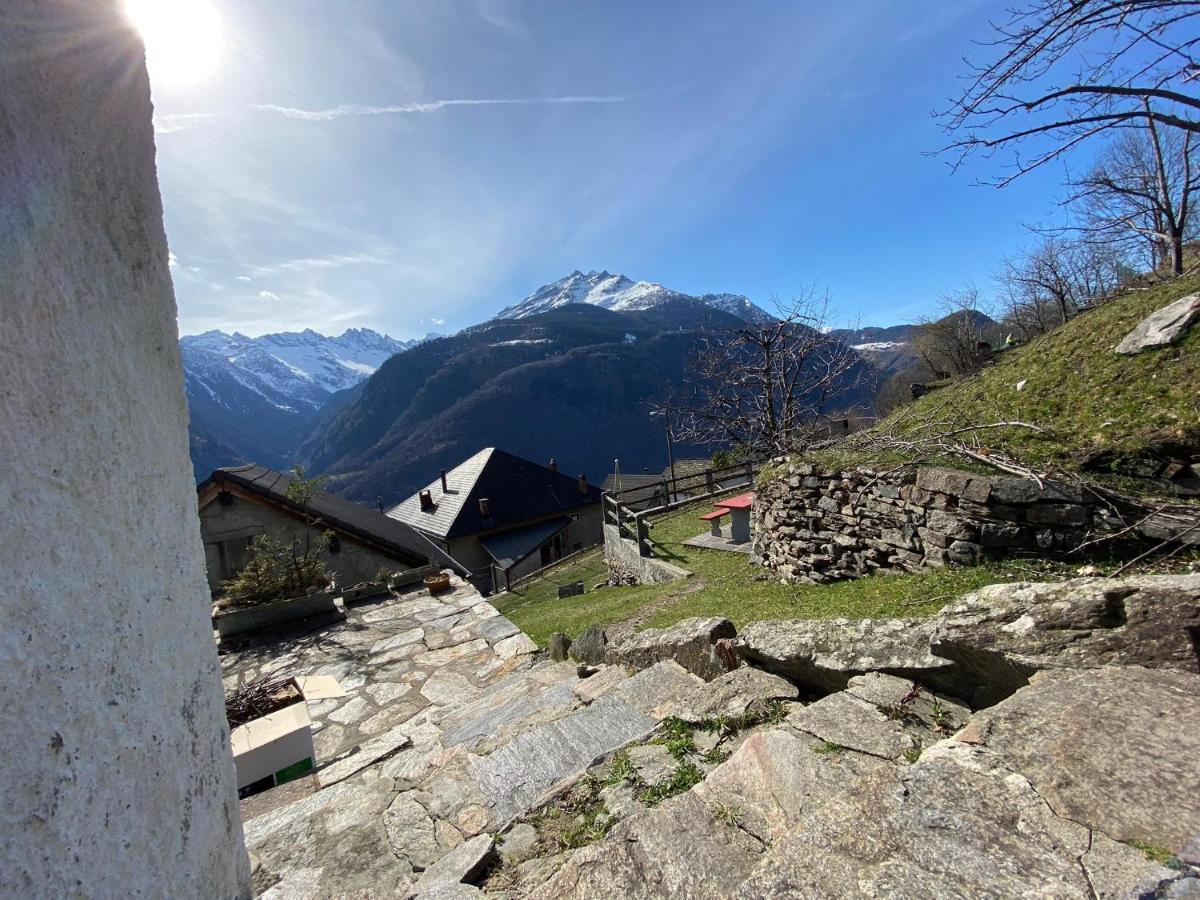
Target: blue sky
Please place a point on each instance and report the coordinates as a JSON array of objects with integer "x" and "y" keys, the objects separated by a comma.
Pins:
[{"x": 318, "y": 178}]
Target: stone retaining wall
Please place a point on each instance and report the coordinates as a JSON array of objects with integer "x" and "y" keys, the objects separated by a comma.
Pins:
[
  {"x": 631, "y": 567},
  {"x": 815, "y": 524}
]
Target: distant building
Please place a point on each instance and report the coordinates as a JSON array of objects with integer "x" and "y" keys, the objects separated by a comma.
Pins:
[
  {"x": 637, "y": 491},
  {"x": 502, "y": 516},
  {"x": 241, "y": 502}
]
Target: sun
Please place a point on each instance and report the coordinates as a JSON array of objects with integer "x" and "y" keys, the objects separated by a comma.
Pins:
[{"x": 182, "y": 37}]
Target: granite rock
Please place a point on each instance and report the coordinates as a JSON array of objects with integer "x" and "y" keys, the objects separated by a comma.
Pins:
[
  {"x": 691, "y": 643},
  {"x": 1003, "y": 633}
]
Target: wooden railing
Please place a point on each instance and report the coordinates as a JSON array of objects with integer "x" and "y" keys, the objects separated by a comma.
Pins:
[{"x": 628, "y": 510}]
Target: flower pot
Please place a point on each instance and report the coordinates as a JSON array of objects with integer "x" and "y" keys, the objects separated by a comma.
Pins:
[
  {"x": 437, "y": 583},
  {"x": 409, "y": 577}
]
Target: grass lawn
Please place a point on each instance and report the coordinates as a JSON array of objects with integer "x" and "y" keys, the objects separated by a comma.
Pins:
[{"x": 723, "y": 584}]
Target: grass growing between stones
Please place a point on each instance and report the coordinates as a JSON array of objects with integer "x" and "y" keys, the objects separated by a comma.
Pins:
[
  {"x": 576, "y": 820},
  {"x": 1160, "y": 855},
  {"x": 728, "y": 585}
]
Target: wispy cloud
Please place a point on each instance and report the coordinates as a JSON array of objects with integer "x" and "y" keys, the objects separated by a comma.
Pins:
[
  {"x": 172, "y": 123},
  {"x": 244, "y": 278},
  {"x": 355, "y": 109},
  {"x": 321, "y": 263},
  {"x": 438, "y": 321},
  {"x": 268, "y": 295}
]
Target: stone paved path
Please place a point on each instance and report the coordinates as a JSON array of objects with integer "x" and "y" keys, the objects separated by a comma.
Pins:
[
  {"x": 450, "y": 728},
  {"x": 462, "y": 763}
]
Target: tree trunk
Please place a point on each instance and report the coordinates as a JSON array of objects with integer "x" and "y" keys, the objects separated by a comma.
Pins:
[{"x": 1177, "y": 254}]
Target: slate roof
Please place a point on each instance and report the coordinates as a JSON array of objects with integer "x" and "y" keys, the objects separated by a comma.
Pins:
[
  {"x": 338, "y": 514},
  {"x": 510, "y": 547},
  {"x": 637, "y": 491},
  {"x": 518, "y": 492}
]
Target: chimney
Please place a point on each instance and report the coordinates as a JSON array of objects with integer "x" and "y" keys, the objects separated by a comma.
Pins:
[
  {"x": 445, "y": 489},
  {"x": 583, "y": 486},
  {"x": 485, "y": 507},
  {"x": 426, "y": 500},
  {"x": 553, "y": 464}
]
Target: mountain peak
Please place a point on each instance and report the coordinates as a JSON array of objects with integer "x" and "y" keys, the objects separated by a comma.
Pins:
[{"x": 619, "y": 293}]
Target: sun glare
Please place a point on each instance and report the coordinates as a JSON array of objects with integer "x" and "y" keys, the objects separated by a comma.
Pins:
[{"x": 182, "y": 37}]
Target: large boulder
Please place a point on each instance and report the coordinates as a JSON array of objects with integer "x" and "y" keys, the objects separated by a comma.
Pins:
[
  {"x": 692, "y": 643},
  {"x": 1003, "y": 633},
  {"x": 824, "y": 654},
  {"x": 1162, "y": 327},
  {"x": 1114, "y": 749}
]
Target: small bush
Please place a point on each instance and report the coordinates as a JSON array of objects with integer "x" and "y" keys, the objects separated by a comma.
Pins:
[{"x": 277, "y": 571}]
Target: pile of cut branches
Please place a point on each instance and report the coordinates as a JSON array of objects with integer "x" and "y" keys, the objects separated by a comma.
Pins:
[{"x": 259, "y": 698}]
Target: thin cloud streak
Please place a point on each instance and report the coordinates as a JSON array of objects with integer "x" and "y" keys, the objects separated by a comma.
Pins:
[
  {"x": 173, "y": 123},
  {"x": 355, "y": 109}
]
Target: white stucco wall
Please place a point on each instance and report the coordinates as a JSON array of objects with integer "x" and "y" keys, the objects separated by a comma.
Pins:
[{"x": 117, "y": 772}]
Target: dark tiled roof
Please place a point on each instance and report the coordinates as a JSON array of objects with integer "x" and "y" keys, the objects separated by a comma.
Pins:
[
  {"x": 510, "y": 547},
  {"x": 517, "y": 490},
  {"x": 338, "y": 514},
  {"x": 628, "y": 482},
  {"x": 637, "y": 491}
]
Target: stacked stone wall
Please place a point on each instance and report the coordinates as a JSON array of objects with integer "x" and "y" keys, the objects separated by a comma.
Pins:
[{"x": 819, "y": 525}]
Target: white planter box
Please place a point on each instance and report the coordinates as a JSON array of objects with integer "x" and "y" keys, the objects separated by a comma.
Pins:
[{"x": 278, "y": 747}]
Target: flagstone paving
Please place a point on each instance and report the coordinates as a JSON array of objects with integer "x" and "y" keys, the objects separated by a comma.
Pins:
[{"x": 451, "y": 727}]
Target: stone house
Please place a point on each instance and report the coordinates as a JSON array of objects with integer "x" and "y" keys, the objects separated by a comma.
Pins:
[
  {"x": 239, "y": 503},
  {"x": 502, "y": 516}
]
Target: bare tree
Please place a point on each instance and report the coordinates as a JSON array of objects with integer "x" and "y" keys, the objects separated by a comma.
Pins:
[
  {"x": 954, "y": 343},
  {"x": 1067, "y": 70},
  {"x": 1045, "y": 286},
  {"x": 1138, "y": 196},
  {"x": 765, "y": 388}
]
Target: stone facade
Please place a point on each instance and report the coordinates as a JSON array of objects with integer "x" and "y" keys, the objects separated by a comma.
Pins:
[
  {"x": 118, "y": 772},
  {"x": 819, "y": 525},
  {"x": 228, "y": 529}
]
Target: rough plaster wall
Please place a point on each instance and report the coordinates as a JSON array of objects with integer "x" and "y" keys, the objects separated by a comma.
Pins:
[
  {"x": 352, "y": 564},
  {"x": 118, "y": 779}
]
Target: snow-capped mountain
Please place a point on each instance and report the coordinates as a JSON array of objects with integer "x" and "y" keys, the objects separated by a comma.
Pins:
[
  {"x": 304, "y": 365},
  {"x": 620, "y": 294},
  {"x": 256, "y": 397}
]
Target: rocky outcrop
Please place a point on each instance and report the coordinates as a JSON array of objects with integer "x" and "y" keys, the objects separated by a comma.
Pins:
[
  {"x": 692, "y": 643},
  {"x": 1114, "y": 749},
  {"x": 656, "y": 783},
  {"x": 989, "y": 643},
  {"x": 1002, "y": 634},
  {"x": 1162, "y": 327},
  {"x": 822, "y": 655},
  {"x": 738, "y": 693},
  {"x": 1034, "y": 798}
]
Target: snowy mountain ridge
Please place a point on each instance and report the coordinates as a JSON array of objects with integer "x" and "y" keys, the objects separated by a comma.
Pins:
[
  {"x": 619, "y": 294},
  {"x": 301, "y": 365}
]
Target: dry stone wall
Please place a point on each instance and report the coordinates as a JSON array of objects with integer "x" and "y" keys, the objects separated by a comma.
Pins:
[{"x": 815, "y": 524}]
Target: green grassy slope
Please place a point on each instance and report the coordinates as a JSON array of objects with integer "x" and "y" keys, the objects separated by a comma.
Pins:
[{"x": 1078, "y": 389}]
